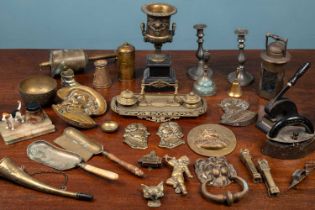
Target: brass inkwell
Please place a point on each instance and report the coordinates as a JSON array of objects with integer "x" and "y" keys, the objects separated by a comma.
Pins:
[
  {"x": 158, "y": 107},
  {"x": 158, "y": 32}
]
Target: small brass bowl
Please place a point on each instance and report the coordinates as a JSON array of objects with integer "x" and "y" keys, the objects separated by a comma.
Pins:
[
  {"x": 109, "y": 126},
  {"x": 38, "y": 88}
]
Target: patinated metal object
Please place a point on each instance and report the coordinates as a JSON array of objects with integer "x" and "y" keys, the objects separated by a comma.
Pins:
[
  {"x": 157, "y": 31},
  {"x": 236, "y": 89},
  {"x": 101, "y": 75},
  {"x": 180, "y": 167},
  {"x": 246, "y": 159},
  {"x": 197, "y": 71},
  {"x": 289, "y": 134},
  {"x": 136, "y": 136},
  {"x": 300, "y": 174},
  {"x": 78, "y": 104},
  {"x": 126, "y": 61},
  {"x": 67, "y": 78},
  {"x": 171, "y": 135},
  {"x": 12, "y": 172},
  {"x": 59, "y": 159},
  {"x": 109, "y": 126},
  {"x": 158, "y": 107},
  {"x": 204, "y": 86},
  {"x": 211, "y": 140},
  {"x": 38, "y": 88},
  {"x": 244, "y": 77},
  {"x": 264, "y": 169},
  {"x": 75, "y": 141},
  {"x": 151, "y": 160},
  {"x": 236, "y": 112},
  {"x": 274, "y": 59},
  {"x": 153, "y": 194},
  {"x": 217, "y": 172},
  {"x": 75, "y": 59}
]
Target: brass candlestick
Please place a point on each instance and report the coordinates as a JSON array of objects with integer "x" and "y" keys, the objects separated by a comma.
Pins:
[
  {"x": 197, "y": 71},
  {"x": 244, "y": 78},
  {"x": 157, "y": 31}
]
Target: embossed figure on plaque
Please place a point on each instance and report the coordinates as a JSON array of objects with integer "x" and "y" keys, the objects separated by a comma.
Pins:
[
  {"x": 136, "y": 136},
  {"x": 180, "y": 167},
  {"x": 171, "y": 135},
  {"x": 153, "y": 194},
  {"x": 217, "y": 172}
]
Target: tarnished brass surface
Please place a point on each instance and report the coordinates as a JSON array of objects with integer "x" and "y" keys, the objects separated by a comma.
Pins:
[
  {"x": 38, "y": 88},
  {"x": 150, "y": 160},
  {"x": 78, "y": 104},
  {"x": 171, "y": 135},
  {"x": 264, "y": 169},
  {"x": 10, "y": 171},
  {"x": 153, "y": 194},
  {"x": 109, "y": 126},
  {"x": 102, "y": 77},
  {"x": 211, "y": 140},
  {"x": 136, "y": 136},
  {"x": 218, "y": 172},
  {"x": 246, "y": 159},
  {"x": 180, "y": 167},
  {"x": 300, "y": 174},
  {"x": 75, "y": 141},
  {"x": 126, "y": 61},
  {"x": 236, "y": 89},
  {"x": 67, "y": 78},
  {"x": 49, "y": 155},
  {"x": 236, "y": 112}
]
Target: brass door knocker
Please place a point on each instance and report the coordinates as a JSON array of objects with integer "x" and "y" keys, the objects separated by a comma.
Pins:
[{"x": 216, "y": 171}]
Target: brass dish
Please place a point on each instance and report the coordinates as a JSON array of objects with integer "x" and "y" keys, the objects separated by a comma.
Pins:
[
  {"x": 109, "y": 126},
  {"x": 38, "y": 88}
]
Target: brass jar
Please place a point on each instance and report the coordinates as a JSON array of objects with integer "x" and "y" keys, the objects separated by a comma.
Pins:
[{"x": 126, "y": 61}]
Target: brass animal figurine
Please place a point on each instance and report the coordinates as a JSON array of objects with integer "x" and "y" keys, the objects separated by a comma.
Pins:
[{"x": 153, "y": 194}]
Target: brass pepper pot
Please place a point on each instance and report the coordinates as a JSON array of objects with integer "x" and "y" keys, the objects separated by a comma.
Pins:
[
  {"x": 274, "y": 59},
  {"x": 101, "y": 76},
  {"x": 126, "y": 61}
]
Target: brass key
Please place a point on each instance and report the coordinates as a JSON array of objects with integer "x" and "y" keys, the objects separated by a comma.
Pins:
[
  {"x": 264, "y": 169},
  {"x": 246, "y": 159}
]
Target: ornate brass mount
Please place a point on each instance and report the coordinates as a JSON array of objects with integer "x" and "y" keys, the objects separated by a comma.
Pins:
[
  {"x": 216, "y": 171},
  {"x": 158, "y": 107}
]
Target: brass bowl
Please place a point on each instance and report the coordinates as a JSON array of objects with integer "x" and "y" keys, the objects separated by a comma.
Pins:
[
  {"x": 38, "y": 88},
  {"x": 109, "y": 126}
]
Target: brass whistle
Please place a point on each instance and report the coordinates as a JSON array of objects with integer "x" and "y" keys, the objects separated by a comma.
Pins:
[
  {"x": 246, "y": 159},
  {"x": 264, "y": 169}
]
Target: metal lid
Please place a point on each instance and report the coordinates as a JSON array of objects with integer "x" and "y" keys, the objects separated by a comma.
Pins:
[
  {"x": 192, "y": 98},
  {"x": 276, "y": 53},
  {"x": 126, "y": 48},
  {"x": 126, "y": 98}
]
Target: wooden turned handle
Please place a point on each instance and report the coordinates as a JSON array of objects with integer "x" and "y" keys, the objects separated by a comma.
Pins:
[
  {"x": 129, "y": 167},
  {"x": 99, "y": 172}
]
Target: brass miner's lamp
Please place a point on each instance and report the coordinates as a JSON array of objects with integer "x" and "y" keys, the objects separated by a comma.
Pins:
[{"x": 157, "y": 31}]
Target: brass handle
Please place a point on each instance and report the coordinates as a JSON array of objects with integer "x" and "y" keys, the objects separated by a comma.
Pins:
[
  {"x": 129, "y": 167},
  {"x": 103, "y": 56},
  {"x": 227, "y": 198},
  {"x": 99, "y": 172}
]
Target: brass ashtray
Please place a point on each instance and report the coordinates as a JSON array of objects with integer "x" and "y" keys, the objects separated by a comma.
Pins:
[
  {"x": 38, "y": 88},
  {"x": 109, "y": 126}
]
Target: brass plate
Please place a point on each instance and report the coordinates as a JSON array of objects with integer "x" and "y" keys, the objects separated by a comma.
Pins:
[{"x": 211, "y": 140}]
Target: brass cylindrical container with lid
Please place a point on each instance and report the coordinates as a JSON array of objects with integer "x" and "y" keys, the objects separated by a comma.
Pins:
[
  {"x": 126, "y": 61},
  {"x": 274, "y": 59}
]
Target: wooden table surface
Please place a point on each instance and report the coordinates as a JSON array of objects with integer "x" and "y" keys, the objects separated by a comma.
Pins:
[{"x": 126, "y": 193}]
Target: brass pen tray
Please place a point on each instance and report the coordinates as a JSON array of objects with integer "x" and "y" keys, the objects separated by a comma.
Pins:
[{"x": 158, "y": 107}]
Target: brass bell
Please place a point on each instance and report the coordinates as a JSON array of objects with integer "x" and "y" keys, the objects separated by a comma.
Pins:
[{"x": 236, "y": 89}]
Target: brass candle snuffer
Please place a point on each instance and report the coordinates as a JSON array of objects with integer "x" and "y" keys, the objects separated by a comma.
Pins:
[
  {"x": 197, "y": 71},
  {"x": 76, "y": 59},
  {"x": 75, "y": 141},
  {"x": 274, "y": 59},
  {"x": 11, "y": 171},
  {"x": 158, "y": 107},
  {"x": 157, "y": 31},
  {"x": 289, "y": 135},
  {"x": 243, "y": 76},
  {"x": 218, "y": 172}
]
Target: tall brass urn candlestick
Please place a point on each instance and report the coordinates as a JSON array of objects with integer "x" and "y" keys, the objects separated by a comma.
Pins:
[{"x": 157, "y": 31}]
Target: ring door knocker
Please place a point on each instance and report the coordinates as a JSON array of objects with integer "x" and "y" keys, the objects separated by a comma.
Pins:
[{"x": 216, "y": 171}]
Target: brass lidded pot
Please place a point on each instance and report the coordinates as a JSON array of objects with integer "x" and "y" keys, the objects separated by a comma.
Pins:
[
  {"x": 126, "y": 61},
  {"x": 274, "y": 59}
]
